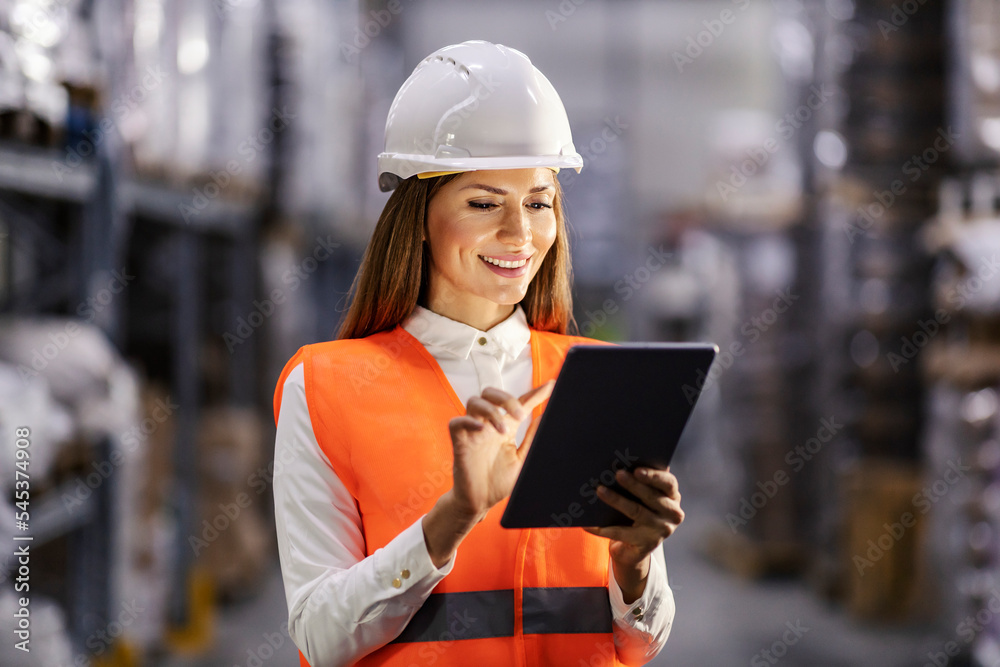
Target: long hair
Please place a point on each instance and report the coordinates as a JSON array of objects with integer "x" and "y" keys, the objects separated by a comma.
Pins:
[{"x": 393, "y": 276}]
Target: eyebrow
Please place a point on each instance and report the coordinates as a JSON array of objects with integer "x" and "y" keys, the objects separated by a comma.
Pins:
[{"x": 501, "y": 191}]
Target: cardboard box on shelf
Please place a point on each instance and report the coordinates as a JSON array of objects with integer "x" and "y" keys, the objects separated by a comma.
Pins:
[
  {"x": 882, "y": 541},
  {"x": 233, "y": 541}
]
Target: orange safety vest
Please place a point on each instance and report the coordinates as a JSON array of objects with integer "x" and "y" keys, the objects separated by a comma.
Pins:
[{"x": 380, "y": 407}]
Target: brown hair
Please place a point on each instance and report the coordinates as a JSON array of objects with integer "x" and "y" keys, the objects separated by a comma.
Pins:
[{"x": 393, "y": 276}]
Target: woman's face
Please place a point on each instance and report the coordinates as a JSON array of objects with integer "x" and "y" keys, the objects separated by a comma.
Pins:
[{"x": 488, "y": 232}]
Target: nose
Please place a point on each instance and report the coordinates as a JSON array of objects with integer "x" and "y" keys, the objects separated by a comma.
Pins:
[{"x": 515, "y": 229}]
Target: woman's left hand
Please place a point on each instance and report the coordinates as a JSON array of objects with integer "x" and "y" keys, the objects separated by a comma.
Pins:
[{"x": 653, "y": 520}]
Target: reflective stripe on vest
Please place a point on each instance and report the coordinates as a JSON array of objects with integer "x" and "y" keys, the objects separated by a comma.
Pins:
[{"x": 482, "y": 614}]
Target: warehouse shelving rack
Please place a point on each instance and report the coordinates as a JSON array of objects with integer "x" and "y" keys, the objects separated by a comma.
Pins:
[
  {"x": 31, "y": 196},
  {"x": 98, "y": 207}
]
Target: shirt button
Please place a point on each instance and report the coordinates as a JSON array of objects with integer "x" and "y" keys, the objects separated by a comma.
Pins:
[
  {"x": 482, "y": 340},
  {"x": 396, "y": 583},
  {"x": 405, "y": 574},
  {"x": 637, "y": 612}
]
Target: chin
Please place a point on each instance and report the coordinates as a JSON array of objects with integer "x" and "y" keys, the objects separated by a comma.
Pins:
[{"x": 506, "y": 297}]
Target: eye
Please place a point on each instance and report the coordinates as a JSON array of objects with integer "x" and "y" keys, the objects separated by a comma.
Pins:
[
  {"x": 482, "y": 205},
  {"x": 538, "y": 206}
]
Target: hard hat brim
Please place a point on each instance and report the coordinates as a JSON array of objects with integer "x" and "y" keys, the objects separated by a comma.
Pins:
[{"x": 394, "y": 167}]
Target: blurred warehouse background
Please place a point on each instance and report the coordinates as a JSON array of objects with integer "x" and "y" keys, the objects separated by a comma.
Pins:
[{"x": 186, "y": 189}]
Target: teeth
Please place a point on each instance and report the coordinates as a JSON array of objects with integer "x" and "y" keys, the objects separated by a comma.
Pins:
[{"x": 505, "y": 264}]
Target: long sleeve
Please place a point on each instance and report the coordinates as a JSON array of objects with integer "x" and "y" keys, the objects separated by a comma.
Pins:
[
  {"x": 341, "y": 604},
  {"x": 641, "y": 628}
]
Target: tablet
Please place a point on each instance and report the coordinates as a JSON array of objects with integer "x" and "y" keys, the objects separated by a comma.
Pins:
[{"x": 612, "y": 407}]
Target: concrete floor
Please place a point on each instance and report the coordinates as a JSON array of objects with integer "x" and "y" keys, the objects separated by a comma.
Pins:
[
  {"x": 721, "y": 620},
  {"x": 726, "y": 620},
  {"x": 252, "y": 634}
]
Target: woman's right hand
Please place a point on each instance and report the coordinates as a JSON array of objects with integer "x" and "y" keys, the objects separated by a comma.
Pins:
[{"x": 487, "y": 459}]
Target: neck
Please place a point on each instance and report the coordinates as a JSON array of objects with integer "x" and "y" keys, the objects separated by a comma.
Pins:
[{"x": 482, "y": 315}]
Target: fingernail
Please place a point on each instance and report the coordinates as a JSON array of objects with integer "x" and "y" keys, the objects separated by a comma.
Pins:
[
  {"x": 521, "y": 413},
  {"x": 642, "y": 472}
]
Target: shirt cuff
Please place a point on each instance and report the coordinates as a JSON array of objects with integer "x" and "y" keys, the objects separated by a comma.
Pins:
[
  {"x": 404, "y": 566},
  {"x": 634, "y": 614}
]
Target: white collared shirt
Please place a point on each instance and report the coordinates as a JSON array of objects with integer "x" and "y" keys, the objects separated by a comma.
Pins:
[{"x": 339, "y": 608}]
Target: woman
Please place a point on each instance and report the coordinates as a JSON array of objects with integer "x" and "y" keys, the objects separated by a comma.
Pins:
[{"x": 400, "y": 441}]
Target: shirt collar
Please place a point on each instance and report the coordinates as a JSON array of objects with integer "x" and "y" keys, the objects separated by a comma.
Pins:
[{"x": 459, "y": 339}]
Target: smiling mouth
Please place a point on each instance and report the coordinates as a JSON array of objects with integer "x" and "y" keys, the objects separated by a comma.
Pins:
[{"x": 503, "y": 263}]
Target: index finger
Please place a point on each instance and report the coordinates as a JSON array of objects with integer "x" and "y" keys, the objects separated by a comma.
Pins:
[
  {"x": 537, "y": 396},
  {"x": 504, "y": 400}
]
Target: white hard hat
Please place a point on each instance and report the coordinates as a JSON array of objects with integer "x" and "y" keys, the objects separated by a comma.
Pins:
[{"x": 475, "y": 105}]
